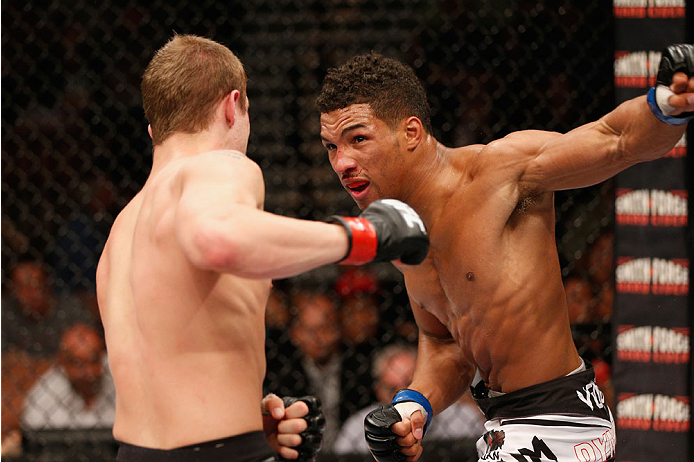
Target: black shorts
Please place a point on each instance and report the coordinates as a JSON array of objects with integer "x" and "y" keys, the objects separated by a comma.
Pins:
[
  {"x": 247, "y": 447},
  {"x": 575, "y": 394}
]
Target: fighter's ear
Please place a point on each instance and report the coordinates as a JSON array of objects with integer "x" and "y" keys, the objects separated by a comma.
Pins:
[
  {"x": 229, "y": 102},
  {"x": 414, "y": 132},
  {"x": 149, "y": 130}
]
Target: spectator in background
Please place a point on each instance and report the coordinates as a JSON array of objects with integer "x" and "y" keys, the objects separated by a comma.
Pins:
[
  {"x": 28, "y": 309},
  {"x": 33, "y": 317},
  {"x": 601, "y": 272},
  {"x": 78, "y": 391},
  {"x": 362, "y": 327},
  {"x": 590, "y": 297},
  {"x": 19, "y": 372},
  {"x": 393, "y": 369},
  {"x": 579, "y": 298},
  {"x": 360, "y": 307},
  {"x": 377, "y": 308},
  {"x": 277, "y": 314},
  {"x": 314, "y": 363},
  {"x": 316, "y": 332},
  {"x": 31, "y": 290}
]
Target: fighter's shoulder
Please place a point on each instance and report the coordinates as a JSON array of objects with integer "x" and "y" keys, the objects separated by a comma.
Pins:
[
  {"x": 515, "y": 148},
  {"x": 220, "y": 165},
  {"x": 524, "y": 142}
]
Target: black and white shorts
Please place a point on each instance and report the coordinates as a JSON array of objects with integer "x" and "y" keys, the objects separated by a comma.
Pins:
[{"x": 564, "y": 420}]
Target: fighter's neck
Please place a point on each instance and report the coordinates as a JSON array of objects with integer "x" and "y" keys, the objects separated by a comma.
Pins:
[
  {"x": 183, "y": 145},
  {"x": 432, "y": 181}
]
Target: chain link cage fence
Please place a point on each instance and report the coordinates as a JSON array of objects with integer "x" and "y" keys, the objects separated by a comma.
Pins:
[{"x": 75, "y": 149}]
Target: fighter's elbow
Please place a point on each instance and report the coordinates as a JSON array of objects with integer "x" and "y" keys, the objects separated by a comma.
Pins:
[{"x": 214, "y": 250}]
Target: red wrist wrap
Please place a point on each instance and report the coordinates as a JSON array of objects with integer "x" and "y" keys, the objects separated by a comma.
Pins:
[{"x": 364, "y": 241}]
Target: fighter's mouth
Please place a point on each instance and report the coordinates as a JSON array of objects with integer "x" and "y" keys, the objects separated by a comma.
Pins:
[{"x": 357, "y": 186}]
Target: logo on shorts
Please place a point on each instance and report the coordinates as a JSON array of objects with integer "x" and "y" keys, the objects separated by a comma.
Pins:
[
  {"x": 539, "y": 449},
  {"x": 592, "y": 396},
  {"x": 597, "y": 449},
  {"x": 494, "y": 440}
]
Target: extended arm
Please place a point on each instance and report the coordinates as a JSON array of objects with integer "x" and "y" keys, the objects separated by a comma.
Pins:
[
  {"x": 221, "y": 227},
  {"x": 635, "y": 131}
]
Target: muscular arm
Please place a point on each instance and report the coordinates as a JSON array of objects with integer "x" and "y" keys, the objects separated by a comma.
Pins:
[
  {"x": 593, "y": 152},
  {"x": 220, "y": 226},
  {"x": 442, "y": 374}
]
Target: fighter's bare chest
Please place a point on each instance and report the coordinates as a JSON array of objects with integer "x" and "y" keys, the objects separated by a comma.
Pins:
[{"x": 460, "y": 271}]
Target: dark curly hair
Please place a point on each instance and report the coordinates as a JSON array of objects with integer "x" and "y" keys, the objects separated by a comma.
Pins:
[{"x": 390, "y": 87}]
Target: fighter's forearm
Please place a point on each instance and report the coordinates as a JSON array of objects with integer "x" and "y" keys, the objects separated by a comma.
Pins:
[
  {"x": 441, "y": 374},
  {"x": 257, "y": 244},
  {"x": 642, "y": 137}
]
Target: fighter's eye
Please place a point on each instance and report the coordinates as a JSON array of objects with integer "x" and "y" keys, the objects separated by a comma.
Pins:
[
  {"x": 330, "y": 147},
  {"x": 359, "y": 138}
]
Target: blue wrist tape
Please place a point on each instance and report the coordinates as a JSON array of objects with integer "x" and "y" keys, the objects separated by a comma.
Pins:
[
  {"x": 670, "y": 120},
  {"x": 411, "y": 395}
]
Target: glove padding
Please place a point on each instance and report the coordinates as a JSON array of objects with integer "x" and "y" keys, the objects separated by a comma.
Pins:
[
  {"x": 386, "y": 230},
  {"x": 312, "y": 437},
  {"x": 675, "y": 58},
  {"x": 379, "y": 437}
]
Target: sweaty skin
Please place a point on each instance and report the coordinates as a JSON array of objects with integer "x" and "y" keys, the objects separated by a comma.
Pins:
[
  {"x": 182, "y": 286},
  {"x": 490, "y": 294}
]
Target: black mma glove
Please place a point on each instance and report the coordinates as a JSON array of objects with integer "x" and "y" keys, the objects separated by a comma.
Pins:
[
  {"x": 675, "y": 58},
  {"x": 379, "y": 437},
  {"x": 386, "y": 230},
  {"x": 312, "y": 437}
]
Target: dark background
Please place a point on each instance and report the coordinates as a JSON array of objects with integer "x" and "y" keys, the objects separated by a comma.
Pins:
[{"x": 75, "y": 147}]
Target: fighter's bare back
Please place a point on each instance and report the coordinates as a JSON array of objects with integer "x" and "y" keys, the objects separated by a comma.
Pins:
[{"x": 177, "y": 336}]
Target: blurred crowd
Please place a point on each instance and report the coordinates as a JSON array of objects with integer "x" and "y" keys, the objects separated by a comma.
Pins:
[{"x": 55, "y": 372}]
